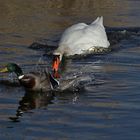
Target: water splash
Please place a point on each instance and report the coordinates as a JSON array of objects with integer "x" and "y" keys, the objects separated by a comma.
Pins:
[
  {"x": 41, "y": 65},
  {"x": 12, "y": 77}
]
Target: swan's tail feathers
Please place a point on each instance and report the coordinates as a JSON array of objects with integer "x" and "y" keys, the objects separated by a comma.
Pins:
[
  {"x": 95, "y": 21},
  {"x": 99, "y": 20}
]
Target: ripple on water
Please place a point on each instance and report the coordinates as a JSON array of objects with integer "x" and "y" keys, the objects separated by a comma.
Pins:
[{"x": 108, "y": 107}]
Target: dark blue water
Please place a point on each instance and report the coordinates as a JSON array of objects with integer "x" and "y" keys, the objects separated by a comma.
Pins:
[{"x": 107, "y": 108}]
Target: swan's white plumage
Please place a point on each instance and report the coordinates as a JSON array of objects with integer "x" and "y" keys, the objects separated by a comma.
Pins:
[{"x": 80, "y": 38}]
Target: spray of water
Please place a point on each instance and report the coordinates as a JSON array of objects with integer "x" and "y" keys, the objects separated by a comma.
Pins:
[{"x": 41, "y": 65}]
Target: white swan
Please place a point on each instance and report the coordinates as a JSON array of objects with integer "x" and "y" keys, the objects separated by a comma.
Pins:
[{"x": 80, "y": 39}]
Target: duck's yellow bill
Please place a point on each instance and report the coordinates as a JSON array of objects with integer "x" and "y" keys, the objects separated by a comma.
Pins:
[{"x": 3, "y": 70}]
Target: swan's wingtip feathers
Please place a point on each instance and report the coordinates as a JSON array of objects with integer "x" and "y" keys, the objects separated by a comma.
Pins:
[
  {"x": 95, "y": 21},
  {"x": 101, "y": 20},
  {"x": 98, "y": 20}
]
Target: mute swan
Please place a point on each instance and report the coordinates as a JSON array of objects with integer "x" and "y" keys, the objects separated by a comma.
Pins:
[{"x": 80, "y": 39}]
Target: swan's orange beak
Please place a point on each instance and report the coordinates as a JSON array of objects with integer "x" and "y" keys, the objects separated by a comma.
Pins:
[{"x": 56, "y": 62}]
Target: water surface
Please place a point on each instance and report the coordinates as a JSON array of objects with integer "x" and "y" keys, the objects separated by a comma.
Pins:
[{"x": 108, "y": 108}]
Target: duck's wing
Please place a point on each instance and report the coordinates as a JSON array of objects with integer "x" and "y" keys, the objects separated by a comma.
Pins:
[
  {"x": 54, "y": 82},
  {"x": 27, "y": 80}
]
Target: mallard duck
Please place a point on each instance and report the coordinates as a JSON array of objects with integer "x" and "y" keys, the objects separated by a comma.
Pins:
[
  {"x": 80, "y": 39},
  {"x": 32, "y": 81}
]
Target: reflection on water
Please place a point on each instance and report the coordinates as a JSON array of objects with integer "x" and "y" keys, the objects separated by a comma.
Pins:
[
  {"x": 39, "y": 100},
  {"x": 108, "y": 108},
  {"x": 25, "y": 22},
  {"x": 32, "y": 100}
]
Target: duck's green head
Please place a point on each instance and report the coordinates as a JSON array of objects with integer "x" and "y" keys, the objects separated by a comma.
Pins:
[{"x": 12, "y": 67}]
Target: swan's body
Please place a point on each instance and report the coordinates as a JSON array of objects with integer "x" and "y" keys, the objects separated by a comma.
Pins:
[{"x": 80, "y": 39}]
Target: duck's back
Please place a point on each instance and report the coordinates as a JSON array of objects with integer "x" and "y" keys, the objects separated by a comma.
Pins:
[
  {"x": 36, "y": 82},
  {"x": 81, "y": 37}
]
